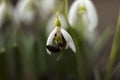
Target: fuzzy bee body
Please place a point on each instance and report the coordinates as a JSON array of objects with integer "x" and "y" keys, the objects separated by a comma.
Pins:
[{"x": 53, "y": 48}]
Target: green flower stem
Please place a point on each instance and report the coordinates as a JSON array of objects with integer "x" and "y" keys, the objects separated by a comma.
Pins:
[
  {"x": 80, "y": 65},
  {"x": 65, "y": 7},
  {"x": 96, "y": 73},
  {"x": 78, "y": 41},
  {"x": 79, "y": 54},
  {"x": 25, "y": 46},
  {"x": 28, "y": 54},
  {"x": 5, "y": 1},
  {"x": 113, "y": 53},
  {"x": 41, "y": 63}
]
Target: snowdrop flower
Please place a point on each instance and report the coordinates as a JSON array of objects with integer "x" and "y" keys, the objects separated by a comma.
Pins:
[
  {"x": 51, "y": 23},
  {"x": 6, "y": 12},
  {"x": 86, "y": 10},
  {"x": 47, "y": 6},
  {"x": 26, "y": 11},
  {"x": 59, "y": 39}
]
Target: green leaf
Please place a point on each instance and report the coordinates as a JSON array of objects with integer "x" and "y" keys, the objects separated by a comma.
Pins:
[
  {"x": 117, "y": 69},
  {"x": 2, "y": 45},
  {"x": 113, "y": 53},
  {"x": 104, "y": 37}
]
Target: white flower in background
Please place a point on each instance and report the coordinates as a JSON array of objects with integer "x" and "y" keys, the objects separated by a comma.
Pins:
[
  {"x": 86, "y": 10},
  {"x": 47, "y": 6},
  {"x": 26, "y": 10},
  {"x": 59, "y": 39},
  {"x": 51, "y": 23},
  {"x": 6, "y": 11}
]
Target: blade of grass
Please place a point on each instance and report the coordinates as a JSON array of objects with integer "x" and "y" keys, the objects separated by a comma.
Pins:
[
  {"x": 96, "y": 73},
  {"x": 104, "y": 37},
  {"x": 40, "y": 56},
  {"x": 28, "y": 54},
  {"x": 117, "y": 69},
  {"x": 3, "y": 67},
  {"x": 25, "y": 45},
  {"x": 2, "y": 45},
  {"x": 98, "y": 46},
  {"x": 113, "y": 53}
]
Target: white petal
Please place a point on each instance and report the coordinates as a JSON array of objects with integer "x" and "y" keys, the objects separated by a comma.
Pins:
[
  {"x": 91, "y": 18},
  {"x": 5, "y": 8},
  {"x": 2, "y": 12},
  {"x": 50, "y": 39},
  {"x": 72, "y": 16},
  {"x": 23, "y": 13},
  {"x": 47, "y": 7},
  {"x": 69, "y": 40}
]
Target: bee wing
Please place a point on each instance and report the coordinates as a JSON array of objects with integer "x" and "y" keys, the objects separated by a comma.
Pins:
[
  {"x": 50, "y": 39},
  {"x": 69, "y": 40}
]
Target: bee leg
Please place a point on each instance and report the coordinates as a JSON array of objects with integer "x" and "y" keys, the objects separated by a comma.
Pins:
[{"x": 59, "y": 57}]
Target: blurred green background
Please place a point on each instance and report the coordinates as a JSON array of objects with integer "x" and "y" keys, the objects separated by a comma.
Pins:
[{"x": 23, "y": 53}]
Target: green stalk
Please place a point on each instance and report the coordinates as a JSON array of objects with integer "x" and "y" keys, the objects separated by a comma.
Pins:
[
  {"x": 79, "y": 46},
  {"x": 79, "y": 54},
  {"x": 65, "y": 8},
  {"x": 113, "y": 53},
  {"x": 80, "y": 65}
]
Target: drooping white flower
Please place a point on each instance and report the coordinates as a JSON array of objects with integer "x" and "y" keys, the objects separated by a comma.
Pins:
[
  {"x": 26, "y": 11},
  {"x": 6, "y": 11},
  {"x": 51, "y": 23},
  {"x": 86, "y": 10},
  {"x": 47, "y": 7},
  {"x": 59, "y": 39}
]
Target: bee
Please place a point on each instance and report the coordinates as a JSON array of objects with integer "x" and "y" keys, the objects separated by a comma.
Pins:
[{"x": 58, "y": 45}]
